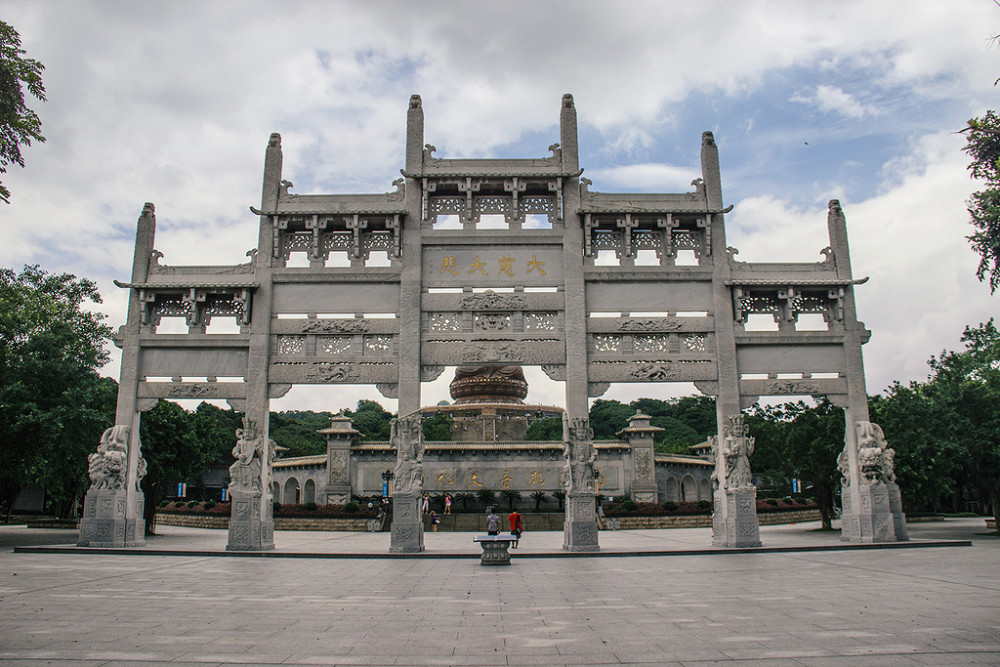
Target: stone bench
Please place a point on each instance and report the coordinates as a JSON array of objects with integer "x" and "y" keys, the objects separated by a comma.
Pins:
[{"x": 494, "y": 549}]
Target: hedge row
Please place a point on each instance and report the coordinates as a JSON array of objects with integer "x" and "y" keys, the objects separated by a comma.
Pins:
[
  {"x": 212, "y": 508},
  {"x": 696, "y": 507}
]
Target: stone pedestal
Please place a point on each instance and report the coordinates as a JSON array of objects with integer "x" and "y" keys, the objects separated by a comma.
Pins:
[
  {"x": 872, "y": 520},
  {"x": 580, "y": 526},
  {"x": 407, "y": 524},
  {"x": 247, "y": 530},
  {"x": 106, "y": 523},
  {"x": 736, "y": 524},
  {"x": 896, "y": 510}
]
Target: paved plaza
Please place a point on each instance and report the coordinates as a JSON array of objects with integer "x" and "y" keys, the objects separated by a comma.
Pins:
[{"x": 326, "y": 605}]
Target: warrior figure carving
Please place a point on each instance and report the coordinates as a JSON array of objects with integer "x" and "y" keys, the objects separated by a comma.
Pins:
[
  {"x": 408, "y": 440},
  {"x": 244, "y": 474},
  {"x": 736, "y": 449},
  {"x": 580, "y": 454}
]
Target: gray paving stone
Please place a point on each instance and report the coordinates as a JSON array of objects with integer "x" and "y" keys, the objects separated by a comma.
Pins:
[{"x": 918, "y": 606}]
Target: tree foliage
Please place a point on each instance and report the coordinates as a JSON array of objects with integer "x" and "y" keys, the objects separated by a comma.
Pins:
[
  {"x": 983, "y": 146},
  {"x": 50, "y": 349},
  {"x": 19, "y": 125}
]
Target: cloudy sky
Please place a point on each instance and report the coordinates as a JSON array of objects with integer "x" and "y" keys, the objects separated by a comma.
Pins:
[{"x": 862, "y": 101}]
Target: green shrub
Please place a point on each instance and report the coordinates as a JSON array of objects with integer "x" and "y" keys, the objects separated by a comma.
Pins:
[
  {"x": 179, "y": 504},
  {"x": 773, "y": 502},
  {"x": 209, "y": 504},
  {"x": 629, "y": 505},
  {"x": 311, "y": 506},
  {"x": 275, "y": 507},
  {"x": 351, "y": 508},
  {"x": 670, "y": 506},
  {"x": 164, "y": 503},
  {"x": 801, "y": 501},
  {"x": 704, "y": 504},
  {"x": 192, "y": 504}
]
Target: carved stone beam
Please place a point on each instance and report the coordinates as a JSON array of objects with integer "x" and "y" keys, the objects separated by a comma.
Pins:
[
  {"x": 706, "y": 224},
  {"x": 278, "y": 225},
  {"x": 426, "y": 188},
  {"x": 356, "y": 224},
  {"x": 627, "y": 224},
  {"x": 245, "y": 301},
  {"x": 393, "y": 226},
  {"x": 589, "y": 223},
  {"x": 195, "y": 300},
  {"x": 148, "y": 301},
  {"x": 316, "y": 251},
  {"x": 557, "y": 187},
  {"x": 739, "y": 314},
  {"x": 388, "y": 389},
  {"x": 515, "y": 186},
  {"x": 468, "y": 187},
  {"x": 835, "y": 310},
  {"x": 786, "y": 304},
  {"x": 667, "y": 225}
]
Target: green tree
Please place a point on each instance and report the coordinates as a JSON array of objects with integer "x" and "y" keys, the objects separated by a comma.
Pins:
[
  {"x": 803, "y": 442},
  {"x": 216, "y": 428},
  {"x": 511, "y": 496},
  {"x": 19, "y": 125},
  {"x": 50, "y": 349},
  {"x": 609, "y": 417},
  {"x": 547, "y": 429},
  {"x": 983, "y": 146},
  {"x": 967, "y": 385},
  {"x": 371, "y": 419},
  {"x": 487, "y": 497},
  {"x": 539, "y": 497},
  {"x": 297, "y": 431},
  {"x": 172, "y": 451},
  {"x": 88, "y": 410},
  {"x": 438, "y": 428}
]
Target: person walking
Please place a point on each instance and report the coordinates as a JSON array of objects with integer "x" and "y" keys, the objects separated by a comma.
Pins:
[
  {"x": 493, "y": 523},
  {"x": 434, "y": 521},
  {"x": 516, "y": 527}
]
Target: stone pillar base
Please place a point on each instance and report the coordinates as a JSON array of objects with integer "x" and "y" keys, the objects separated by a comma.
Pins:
[
  {"x": 873, "y": 519},
  {"x": 580, "y": 525},
  {"x": 105, "y": 521},
  {"x": 247, "y": 530},
  {"x": 407, "y": 524},
  {"x": 738, "y": 526}
]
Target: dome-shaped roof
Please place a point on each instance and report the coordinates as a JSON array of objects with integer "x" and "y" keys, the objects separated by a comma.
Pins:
[{"x": 488, "y": 384}]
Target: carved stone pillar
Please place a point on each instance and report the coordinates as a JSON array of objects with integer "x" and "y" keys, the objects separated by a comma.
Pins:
[
  {"x": 580, "y": 524},
  {"x": 407, "y": 524},
  {"x": 639, "y": 435},
  {"x": 251, "y": 526},
  {"x": 734, "y": 520},
  {"x": 339, "y": 438},
  {"x": 106, "y": 521},
  {"x": 871, "y": 499}
]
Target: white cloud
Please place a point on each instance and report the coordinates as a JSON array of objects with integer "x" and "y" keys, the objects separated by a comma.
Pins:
[
  {"x": 831, "y": 99},
  {"x": 173, "y": 103}
]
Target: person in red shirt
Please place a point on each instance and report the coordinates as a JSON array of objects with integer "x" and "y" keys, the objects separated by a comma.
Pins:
[{"x": 516, "y": 527}]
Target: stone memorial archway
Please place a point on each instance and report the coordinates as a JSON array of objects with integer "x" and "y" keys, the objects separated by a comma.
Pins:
[{"x": 473, "y": 295}]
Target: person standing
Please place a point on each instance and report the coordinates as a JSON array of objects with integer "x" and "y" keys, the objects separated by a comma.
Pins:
[
  {"x": 434, "y": 521},
  {"x": 447, "y": 503},
  {"x": 493, "y": 523},
  {"x": 516, "y": 527},
  {"x": 425, "y": 506}
]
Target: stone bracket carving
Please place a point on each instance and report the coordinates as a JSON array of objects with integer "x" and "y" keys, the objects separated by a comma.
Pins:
[
  {"x": 595, "y": 389},
  {"x": 278, "y": 390},
  {"x": 430, "y": 373}
]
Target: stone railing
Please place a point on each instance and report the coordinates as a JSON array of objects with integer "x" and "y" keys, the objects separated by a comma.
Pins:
[{"x": 280, "y": 522}]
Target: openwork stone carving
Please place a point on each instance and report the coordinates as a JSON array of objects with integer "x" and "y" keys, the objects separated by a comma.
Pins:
[
  {"x": 337, "y": 326},
  {"x": 107, "y": 466},
  {"x": 539, "y": 321},
  {"x": 406, "y": 436},
  {"x": 493, "y": 301},
  {"x": 244, "y": 474},
  {"x": 649, "y": 325}
]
